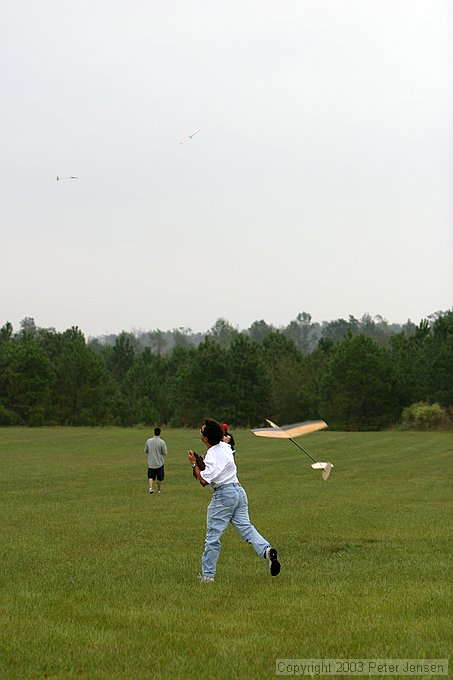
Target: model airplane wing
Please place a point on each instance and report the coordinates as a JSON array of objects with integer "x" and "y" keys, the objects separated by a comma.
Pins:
[{"x": 290, "y": 431}]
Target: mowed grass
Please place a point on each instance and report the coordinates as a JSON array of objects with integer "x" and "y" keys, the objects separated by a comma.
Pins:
[{"x": 98, "y": 579}]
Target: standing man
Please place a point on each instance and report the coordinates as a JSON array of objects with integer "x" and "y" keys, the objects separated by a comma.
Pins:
[
  {"x": 229, "y": 502},
  {"x": 156, "y": 449}
]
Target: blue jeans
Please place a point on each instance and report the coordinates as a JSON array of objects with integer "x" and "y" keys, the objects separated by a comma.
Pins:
[{"x": 229, "y": 504}]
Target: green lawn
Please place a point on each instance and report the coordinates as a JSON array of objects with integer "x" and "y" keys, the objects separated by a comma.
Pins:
[{"x": 98, "y": 578}]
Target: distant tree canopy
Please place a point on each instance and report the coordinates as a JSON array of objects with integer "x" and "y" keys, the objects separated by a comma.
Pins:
[
  {"x": 355, "y": 374},
  {"x": 305, "y": 333}
]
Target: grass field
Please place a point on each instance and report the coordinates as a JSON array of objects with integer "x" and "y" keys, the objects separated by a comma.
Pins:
[{"x": 98, "y": 578}]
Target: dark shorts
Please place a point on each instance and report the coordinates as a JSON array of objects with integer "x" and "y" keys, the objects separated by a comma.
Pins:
[{"x": 156, "y": 472}]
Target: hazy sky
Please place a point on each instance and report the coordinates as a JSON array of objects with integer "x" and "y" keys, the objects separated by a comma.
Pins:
[{"x": 321, "y": 179}]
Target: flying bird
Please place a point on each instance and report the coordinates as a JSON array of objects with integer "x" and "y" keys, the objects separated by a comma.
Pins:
[
  {"x": 186, "y": 139},
  {"x": 62, "y": 178}
]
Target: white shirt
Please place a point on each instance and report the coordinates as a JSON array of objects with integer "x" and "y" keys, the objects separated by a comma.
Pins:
[{"x": 220, "y": 466}]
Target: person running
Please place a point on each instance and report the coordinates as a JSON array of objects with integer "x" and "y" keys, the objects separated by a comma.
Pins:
[{"x": 229, "y": 503}]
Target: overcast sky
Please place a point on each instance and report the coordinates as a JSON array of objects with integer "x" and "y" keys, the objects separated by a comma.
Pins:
[{"x": 320, "y": 181}]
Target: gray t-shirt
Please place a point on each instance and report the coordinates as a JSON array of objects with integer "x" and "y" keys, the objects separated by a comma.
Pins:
[{"x": 156, "y": 449}]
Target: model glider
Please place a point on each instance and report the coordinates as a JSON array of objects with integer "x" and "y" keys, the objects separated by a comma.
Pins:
[
  {"x": 296, "y": 430},
  {"x": 59, "y": 179},
  {"x": 186, "y": 139}
]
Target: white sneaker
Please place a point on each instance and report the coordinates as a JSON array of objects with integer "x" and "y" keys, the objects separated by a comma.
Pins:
[
  {"x": 159, "y": 492},
  {"x": 151, "y": 490},
  {"x": 205, "y": 579}
]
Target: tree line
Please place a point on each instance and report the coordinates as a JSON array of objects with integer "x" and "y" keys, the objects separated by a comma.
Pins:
[
  {"x": 354, "y": 376},
  {"x": 303, "y": 330}
]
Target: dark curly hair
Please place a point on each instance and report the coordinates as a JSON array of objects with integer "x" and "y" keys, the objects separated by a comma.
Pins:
[{"x": 212, "y": 430}]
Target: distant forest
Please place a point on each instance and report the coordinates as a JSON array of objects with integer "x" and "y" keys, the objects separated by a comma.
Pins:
[
  {"x": 357, "y": 374},
  {"x": 305, "y": 333}
]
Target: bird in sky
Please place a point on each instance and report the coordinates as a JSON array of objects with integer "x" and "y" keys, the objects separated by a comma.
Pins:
[
  {"x": 62, "y": 178},
  {"x": 186, "y": 139}
]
